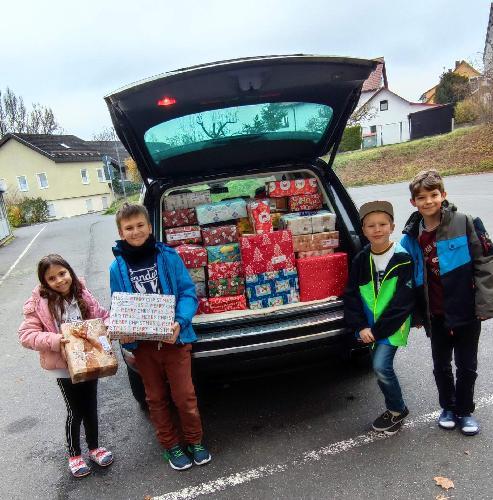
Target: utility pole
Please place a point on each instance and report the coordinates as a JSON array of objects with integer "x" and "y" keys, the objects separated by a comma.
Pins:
[{"x": 122, "y": 180}]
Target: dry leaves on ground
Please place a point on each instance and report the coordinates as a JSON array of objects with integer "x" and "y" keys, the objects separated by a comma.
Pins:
[
  {"x": 444, "y": 482},
  {"x": 441, "y": 496}
]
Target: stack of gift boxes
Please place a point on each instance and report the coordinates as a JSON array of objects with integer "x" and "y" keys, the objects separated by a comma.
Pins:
[{"x": 257, "y": 253}]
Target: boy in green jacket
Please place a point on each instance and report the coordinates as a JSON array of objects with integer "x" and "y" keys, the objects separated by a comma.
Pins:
[{"x": 378, "y": 302}]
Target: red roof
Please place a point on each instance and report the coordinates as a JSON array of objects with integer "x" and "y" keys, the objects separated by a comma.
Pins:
[{"x": 374, "y": 81}]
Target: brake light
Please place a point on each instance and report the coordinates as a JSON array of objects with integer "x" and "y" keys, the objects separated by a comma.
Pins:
[{"x": 166, "y": 101}]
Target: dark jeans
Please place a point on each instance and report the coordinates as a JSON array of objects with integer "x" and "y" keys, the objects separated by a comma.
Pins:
[
  {"x": 455, "y": 395},
  {"x": 82, "y": 407},
  {"x": 383, "y": 366}
]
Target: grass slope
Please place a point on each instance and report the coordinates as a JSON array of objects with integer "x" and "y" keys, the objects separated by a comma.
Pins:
[{"x": 464, "y": 151}]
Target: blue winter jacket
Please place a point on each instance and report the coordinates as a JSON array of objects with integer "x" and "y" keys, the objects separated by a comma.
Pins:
[{"x": 173, "y": 276}]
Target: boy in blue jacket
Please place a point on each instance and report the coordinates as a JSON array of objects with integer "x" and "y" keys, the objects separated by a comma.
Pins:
[{"x": 143, "y": 265}]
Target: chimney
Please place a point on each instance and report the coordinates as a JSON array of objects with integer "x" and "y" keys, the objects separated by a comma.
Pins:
[{"x": 457, "y": 64}]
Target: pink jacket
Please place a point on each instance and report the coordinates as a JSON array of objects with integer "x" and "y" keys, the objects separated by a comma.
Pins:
[{"x": 39, "y": 332}]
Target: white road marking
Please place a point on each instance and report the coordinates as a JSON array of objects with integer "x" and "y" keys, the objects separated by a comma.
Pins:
[
  {"x": 5, "y": 276},
  {"x": 247, "y": 476}
]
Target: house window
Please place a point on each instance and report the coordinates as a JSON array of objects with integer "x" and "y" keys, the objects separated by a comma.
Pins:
[
  {"x": 3, "y": 185},
  {"x": 104, "y": 201},
  {"x": 384, "y": 105},
  {"x": 22, "y": 182},
  {"x": 42, "y": 180},
  {"x": 51, "y": 209},
  {"x": 373, "y": 129},
  {"x": 101, "y": 175},
  {"x": 85, "y": 176},
  {"x": 89, "y": 205}
]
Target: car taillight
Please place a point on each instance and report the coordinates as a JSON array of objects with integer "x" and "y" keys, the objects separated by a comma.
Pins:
[{"x": 166, "y": 101}]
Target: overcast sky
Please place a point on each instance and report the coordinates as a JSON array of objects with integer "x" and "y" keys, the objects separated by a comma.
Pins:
[{"x": 68, "y": 55}]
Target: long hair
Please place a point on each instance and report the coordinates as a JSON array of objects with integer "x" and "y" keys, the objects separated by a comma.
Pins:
[{"x": 55, "y": 300}]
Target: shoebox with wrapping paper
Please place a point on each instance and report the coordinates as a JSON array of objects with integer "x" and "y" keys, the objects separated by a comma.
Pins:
[
  {"x": 303, "y": 202},
  {"x": 267, "y": 252},
  {"x": 186, "y": 200},
  {"x": 272, "y": 288},
  {"x": 89, "y": 353},
  {"x": 181, "y": 217},
  {"x": 279, "y": 189},
  {"x": 244, "y": 226},
  {"x": 322, "y": 277},
  {"x": 219, "y": 235},
  {"x": 201, "y": 289},
  {"x": 145, "y": 316},
  {"x": 197, "y": 274},
  {"x": 222, "y": 304},
  {"x": 318, "y": 241},
  {"x": 275, "y": 219},
  {"x": 221, "y": 211},
  {"x": 186, "y": 235},
  {"x": 278, "y": 204},
  {"x": 259, "y": 215},
  {"x": 219, "y": 270},
  {"x": 223, "y": 287},
  {"x": 223, "y": 253},
  {"x": 314, "y": 253},
  {"x": 309, "y": 222},
  {"x": 192, "y": 255}
]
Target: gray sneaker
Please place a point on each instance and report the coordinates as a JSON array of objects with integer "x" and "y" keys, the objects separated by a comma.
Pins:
[{"x": 389, "y": 423}]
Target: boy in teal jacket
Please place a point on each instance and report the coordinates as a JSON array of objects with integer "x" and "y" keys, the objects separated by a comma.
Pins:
[{"x": 378, "y": 302}]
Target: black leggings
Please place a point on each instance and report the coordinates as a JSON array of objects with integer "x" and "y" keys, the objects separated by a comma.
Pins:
[{"x": 82, "y": 406}]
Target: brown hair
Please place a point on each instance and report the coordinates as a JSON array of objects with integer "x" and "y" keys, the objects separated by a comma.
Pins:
[
  {"x": 55, "y": 300},
  {"x": 426, "y": 179},
  {"x": 128, "y": 210}
]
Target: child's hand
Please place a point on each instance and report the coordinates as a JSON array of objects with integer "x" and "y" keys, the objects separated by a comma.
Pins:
[
  {"x": 127, "y": 340},
  {"x": 63, "y": 343},
  {"x": 176, "y": 332},
  {"x": 366, "y": 336}
]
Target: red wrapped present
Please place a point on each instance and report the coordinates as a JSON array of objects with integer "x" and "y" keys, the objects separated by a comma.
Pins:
[
  {"x": 181, "y": 217},
  {"x": 314, "y": 253},
  {"x": 183, "y": 235},
  {"x": 259, "y": 215},
  {"x": 218, "y": 270},
  {"x": 225, "y": 287},
  {"x": 267, "y": 252},
  {"x": 322, "y": 277},
  {"x": 192, "y": 255},
  {"x": 219, "y": 235},
  {"x": 317, "y": 241},
  {"x": 278, "y": 189},
  {"x": 302, "y": 202},
  {"x": 221, "y": 304}
]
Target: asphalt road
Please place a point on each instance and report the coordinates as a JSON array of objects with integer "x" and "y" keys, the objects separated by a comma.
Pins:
[{"x": 302, "y": 434}]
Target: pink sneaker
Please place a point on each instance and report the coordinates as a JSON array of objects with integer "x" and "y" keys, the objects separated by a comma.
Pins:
[
  {"x": 101, "y": 456},
  {"x": 78, "y": 466}
]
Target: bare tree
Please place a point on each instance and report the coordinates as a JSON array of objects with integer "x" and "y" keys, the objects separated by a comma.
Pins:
[
  {"x": 362, "y": 113},
  {"x": 106, "y": 134},
  {"x": 14, "y": 116}
]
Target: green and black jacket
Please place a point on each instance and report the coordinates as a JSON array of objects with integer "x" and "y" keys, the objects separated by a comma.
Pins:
[{"x": 387, "y": 311}]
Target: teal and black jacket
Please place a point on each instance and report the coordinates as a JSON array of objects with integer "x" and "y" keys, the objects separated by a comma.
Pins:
[
  {"x": 465, "y": 259},
  {"x": 386, "y": 310}
]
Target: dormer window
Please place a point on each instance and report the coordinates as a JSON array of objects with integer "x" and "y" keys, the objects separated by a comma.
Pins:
[{"x": 384, "y": 105}]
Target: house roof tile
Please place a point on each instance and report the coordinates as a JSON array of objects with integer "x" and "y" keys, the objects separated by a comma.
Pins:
[{"x": 374, "y": 81}]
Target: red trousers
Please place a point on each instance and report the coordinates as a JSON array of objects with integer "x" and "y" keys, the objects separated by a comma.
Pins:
[{"x": 166, "y": 374}]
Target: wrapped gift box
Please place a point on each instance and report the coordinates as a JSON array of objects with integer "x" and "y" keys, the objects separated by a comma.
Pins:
[
  {"x": 219, "y": 270},
  {"x": 259, "y": 215},
  {"x": 244, "y": 226},
  {"x": 221, "y": 211},
  {"x": 186, "y": 200},
  {"x": 318, "y": 241},
  {"x": 222, "y": 304},
  {"x": 305, "y": 202},
  {"x": 275, "y": 219},
  {"x": 278, "y": 204},
  {"x": 192, "y": 255},
  {"x": 323, "y": 221},
  {"x": 223, "y": 287},
  {"x": 197, "y": 274},
  {"x": 308, "y": 222},
  {"x": 322, "y": 277},
  {"x": 89, "y": 353},
  {"x": 183, "y": 235},
  {"x": 223, "y": 253},
  {"x": 219, "y": 235},
  {"x": 267, "y": 252},
  {"x": 279, "y": 189},
  {"x": 314, "y": 253},
  {"x": 145, "y": 316},
  {"x": 182, "y": 217},
  {"x": 200, "y": 289},
  {"x": 272, "y": 288}
]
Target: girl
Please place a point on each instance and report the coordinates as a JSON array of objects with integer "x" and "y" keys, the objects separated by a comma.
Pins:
[{"x": 62, "y": 298}]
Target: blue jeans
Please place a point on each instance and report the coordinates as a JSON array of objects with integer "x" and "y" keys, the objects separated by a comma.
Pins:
[{"x": 383, "y": 366}]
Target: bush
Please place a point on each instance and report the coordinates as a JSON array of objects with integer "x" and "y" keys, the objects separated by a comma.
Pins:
[
  {"x": 351, "y": 139},
  {"x": 27, "y": 211},
  {"x": 14, "y": 215},
  {"x": 466, "y": 111}
]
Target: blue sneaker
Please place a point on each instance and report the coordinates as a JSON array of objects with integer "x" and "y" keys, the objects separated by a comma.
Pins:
[
  {"x": 468, "y": 425},
  {"x": 446, "y": 420},
  {"x": 199, "y": 453},
  {"x": 177, "y": 458}
]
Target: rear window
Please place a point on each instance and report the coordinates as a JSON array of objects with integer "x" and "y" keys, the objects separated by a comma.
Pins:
[{"x": 268, "y": 121}]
